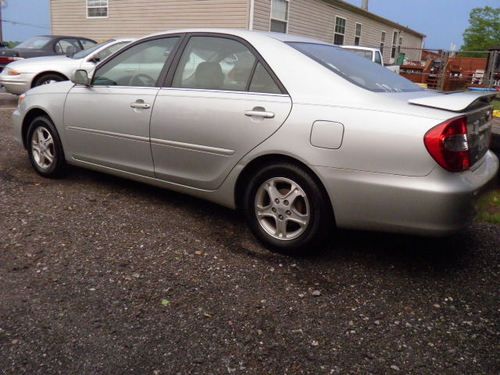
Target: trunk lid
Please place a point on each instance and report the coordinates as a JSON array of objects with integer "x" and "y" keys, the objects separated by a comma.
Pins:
[{"x": 475, "y": 107}]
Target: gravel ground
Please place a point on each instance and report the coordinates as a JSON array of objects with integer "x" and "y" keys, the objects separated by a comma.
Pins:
[{"x": 99, "y": 275}]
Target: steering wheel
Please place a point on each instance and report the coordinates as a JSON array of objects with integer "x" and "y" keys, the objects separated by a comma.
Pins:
[{"x": 142, "y": 79}]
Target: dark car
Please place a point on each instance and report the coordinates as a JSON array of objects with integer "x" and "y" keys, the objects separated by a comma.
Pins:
[{"x": 44, "y": 45}]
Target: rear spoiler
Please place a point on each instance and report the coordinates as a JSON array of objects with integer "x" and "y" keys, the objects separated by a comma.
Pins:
[{"x": 455, "y": 102}]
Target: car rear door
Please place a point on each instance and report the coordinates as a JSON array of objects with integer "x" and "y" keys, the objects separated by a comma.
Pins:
[
  {"x": 107, "y": 124},
  {"x": 222, "y": 101}
]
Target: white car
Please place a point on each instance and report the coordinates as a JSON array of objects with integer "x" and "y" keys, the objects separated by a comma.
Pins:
[
  {"x": 20, "y": 76},
  {"x": 372, "y": 54}
]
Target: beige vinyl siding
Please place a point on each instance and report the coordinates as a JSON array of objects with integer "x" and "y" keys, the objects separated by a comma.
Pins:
[
  {"x": 262, "y": 15},
  {"x": 138, "y": 18},
  {"x": 316, "y": 19}
]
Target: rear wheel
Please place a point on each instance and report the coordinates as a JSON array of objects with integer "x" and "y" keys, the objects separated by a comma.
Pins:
[
  {"x": 48, "y": 78},
  {"x": 287, "y": 210},
  {"x": 45, "y": 148}
]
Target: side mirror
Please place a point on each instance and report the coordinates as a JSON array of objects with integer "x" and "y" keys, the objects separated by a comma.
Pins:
[
  {"x": 94, "y": 59},
  {"x": 81, "y": 77},
  {"x": 70, "y": 51}
]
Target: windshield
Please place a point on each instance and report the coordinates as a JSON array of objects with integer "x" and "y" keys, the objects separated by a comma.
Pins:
[
  {"x": 34, "y": 43},
  {"x": 356, "y": 69},
  {"x": 88, "y": 51}
]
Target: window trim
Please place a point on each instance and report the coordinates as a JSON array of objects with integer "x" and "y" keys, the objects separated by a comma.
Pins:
[
  {"x": 382, "y": 42},
  {"x": 335, "y": 30},
  {"x": 360, "y": 33},
  {"x": 271, "y": 18},
  {"x": 395, "y": 34},
  {"x": 168, "y": 79},
  {"x": 94, "y": 7},
  {"x": 164, "y": 70}
]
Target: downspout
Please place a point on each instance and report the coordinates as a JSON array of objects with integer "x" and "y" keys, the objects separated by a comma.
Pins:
[{"x": 250, "y": 18}]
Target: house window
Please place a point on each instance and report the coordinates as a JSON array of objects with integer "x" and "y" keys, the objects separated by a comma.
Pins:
[
  {"x": 339, "y": 30},
  {"x": 394, "y": 46},
  {"x": 279, "y": 16},
  {"x": 357, "y": 34},
  {"x": 97, "y": 8},
  {"x": 400, "y": 44},
  {"x": 382, "y": 43}
]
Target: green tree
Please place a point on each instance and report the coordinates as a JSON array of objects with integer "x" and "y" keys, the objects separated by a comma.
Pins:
[{"x": 483, "y": 31}]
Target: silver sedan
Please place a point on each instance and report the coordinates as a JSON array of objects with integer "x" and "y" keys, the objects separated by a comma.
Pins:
[
  {"x": 19, "y": 76},
  {"x": 300, "y": 135}
]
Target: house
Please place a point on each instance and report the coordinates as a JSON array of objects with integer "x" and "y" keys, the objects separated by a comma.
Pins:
[{"x": 333, "y": 21}]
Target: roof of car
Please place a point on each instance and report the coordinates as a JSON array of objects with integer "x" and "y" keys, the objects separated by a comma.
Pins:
[
  {"x": 245, "y": 33},
  {"x": 64, "y": 36}
]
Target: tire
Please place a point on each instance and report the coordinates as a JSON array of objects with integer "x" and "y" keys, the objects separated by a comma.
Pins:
[
  {"x": 45, "y": 79},
  {"x": 45, "y": 148},
  {"x": 287, "y": 210}
]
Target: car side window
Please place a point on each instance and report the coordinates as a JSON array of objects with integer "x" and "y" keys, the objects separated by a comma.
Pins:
[
  {"x": 139, "y": 65},
  {"x": 87, "y": 43},
  {"x": 378, "y": 58},
  {"x": 214, "y": 63},
  {"x": 62, "y": 46},
  {"x": 263, "y": 82}
]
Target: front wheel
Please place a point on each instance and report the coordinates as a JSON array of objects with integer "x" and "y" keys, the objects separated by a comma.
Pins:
[
  {"x": 45, "y": 148},
  {"x": 287, "y": 210}
]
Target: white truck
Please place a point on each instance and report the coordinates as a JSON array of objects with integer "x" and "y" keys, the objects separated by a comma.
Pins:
[{"x": 372, "y": 54}]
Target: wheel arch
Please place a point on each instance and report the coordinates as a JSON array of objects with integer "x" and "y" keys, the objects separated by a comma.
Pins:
[
  {"x": 268, "y": 159},
  {"x": 32, "y": 114},
  {"x": 65, "y": 78}
]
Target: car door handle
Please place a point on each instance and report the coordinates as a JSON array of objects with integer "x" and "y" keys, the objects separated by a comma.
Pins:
[
  {"x": 139, "y": 104},
  {"x": 259, "y": 113}
]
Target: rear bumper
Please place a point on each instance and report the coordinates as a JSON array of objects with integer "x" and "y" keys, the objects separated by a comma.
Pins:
[{"x": 440, "y": 203}]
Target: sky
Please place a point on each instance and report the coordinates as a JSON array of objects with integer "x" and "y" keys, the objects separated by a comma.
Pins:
[
  {"x": 34, "y": 12},
  {"x": 443, "y": 21}
]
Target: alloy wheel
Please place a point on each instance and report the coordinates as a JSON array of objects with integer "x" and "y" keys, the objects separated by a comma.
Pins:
[
  {"x": 42, "y": 147},
  {"x": 282, "y": 208}
]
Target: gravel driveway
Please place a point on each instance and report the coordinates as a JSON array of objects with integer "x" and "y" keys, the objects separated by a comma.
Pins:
[{"x": 99, "y": 275}]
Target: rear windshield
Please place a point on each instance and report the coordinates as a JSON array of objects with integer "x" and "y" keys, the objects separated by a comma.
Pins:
[
  {"x": 356, "y": 69},
  {"x": 37, "y": 42},
  {"x": 363, "y": 53}
]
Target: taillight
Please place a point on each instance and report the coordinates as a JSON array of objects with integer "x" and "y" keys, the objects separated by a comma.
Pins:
[
  {"x": 13, "y": 58},
  {"x": 448, "y": 144}
]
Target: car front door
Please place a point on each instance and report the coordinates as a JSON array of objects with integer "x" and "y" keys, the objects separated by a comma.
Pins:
[
  {"x": 222, "y": 101},
  {"x": 107, "y": 124}
]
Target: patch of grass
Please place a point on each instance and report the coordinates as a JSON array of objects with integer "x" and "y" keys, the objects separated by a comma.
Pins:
[
  {"x": 496, "y": 104},
  {"x": 489, "y": 208}
]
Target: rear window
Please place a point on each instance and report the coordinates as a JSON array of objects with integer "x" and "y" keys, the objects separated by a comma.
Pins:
[
  {"x": 37, "y": 42},
  {"x": 360, "y": 52},
  {"x": 356, "y": 69}
]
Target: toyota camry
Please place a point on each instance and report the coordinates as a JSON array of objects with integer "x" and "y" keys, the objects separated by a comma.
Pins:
[{"x": 298, "y": 134}]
